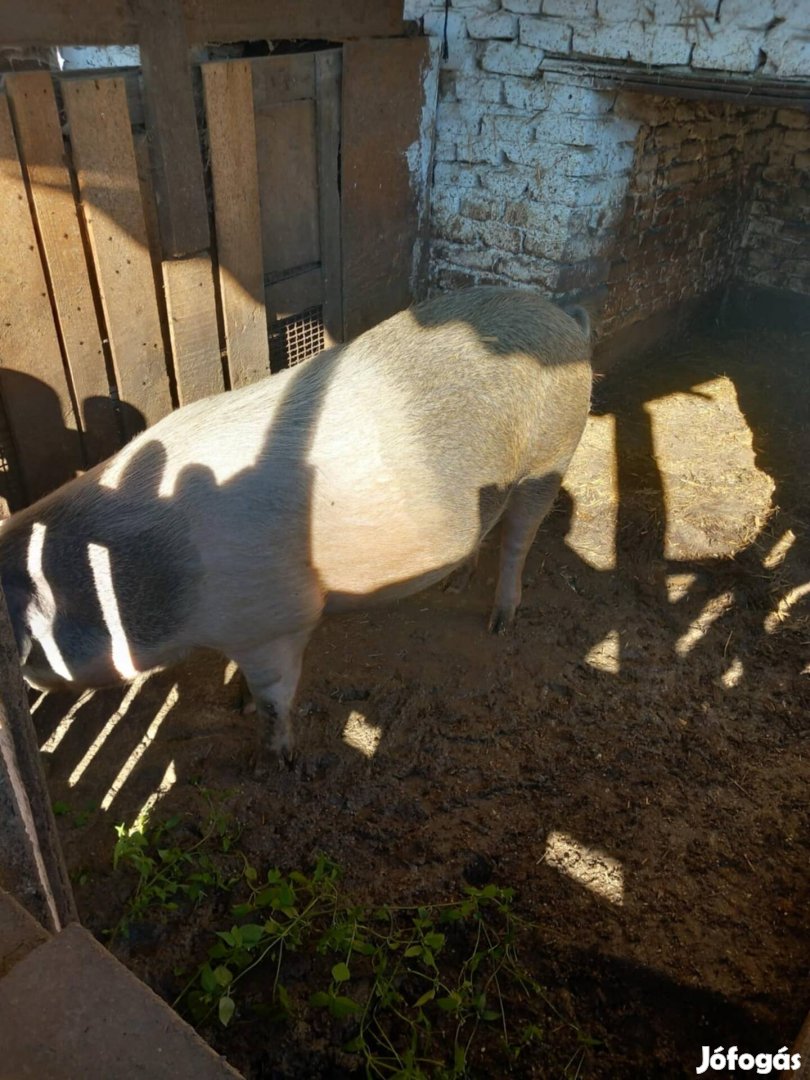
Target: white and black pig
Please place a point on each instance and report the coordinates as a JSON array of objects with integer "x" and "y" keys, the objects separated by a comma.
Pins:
[{"x": 367, "y": 473}]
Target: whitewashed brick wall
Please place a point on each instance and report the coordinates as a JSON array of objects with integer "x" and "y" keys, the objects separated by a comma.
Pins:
[{"x": 532, "y": 167}]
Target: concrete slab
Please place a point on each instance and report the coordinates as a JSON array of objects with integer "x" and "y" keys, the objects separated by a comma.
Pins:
[
  {"x": 20, "y": 934},
  {"x": 69, "y": 1011}
]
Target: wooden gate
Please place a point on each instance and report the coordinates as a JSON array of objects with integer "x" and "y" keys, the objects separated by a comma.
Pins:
[{"x": 158, "y": 245}]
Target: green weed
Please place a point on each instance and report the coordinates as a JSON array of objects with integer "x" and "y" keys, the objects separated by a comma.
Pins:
[
  {"x": 408, "y": 992},
  {"x": 172, "y": 873}
]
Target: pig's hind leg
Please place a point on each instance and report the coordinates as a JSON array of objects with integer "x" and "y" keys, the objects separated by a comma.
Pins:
[
  {"x": 272, "y": 672},
  {"x": 528, "y": 504}
]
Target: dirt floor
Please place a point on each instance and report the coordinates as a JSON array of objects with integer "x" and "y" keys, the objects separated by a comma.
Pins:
[{"x": 632, "y": 761}]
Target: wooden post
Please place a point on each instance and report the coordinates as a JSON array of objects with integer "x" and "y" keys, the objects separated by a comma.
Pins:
[
  {"x": 182, "y": 209},
  {"x": 232, "y": 140},
  {"x": 32, "y": 868},
  {"x": 327, "y": 121}
]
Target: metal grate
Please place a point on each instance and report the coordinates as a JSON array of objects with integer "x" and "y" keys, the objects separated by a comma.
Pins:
[{"x": 296, "y": 338}]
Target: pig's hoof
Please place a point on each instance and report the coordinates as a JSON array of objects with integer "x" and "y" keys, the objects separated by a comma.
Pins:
[{"x": 501, "y": 621}]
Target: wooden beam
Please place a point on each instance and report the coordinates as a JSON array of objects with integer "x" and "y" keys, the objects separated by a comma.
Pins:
[
  {"x": 33, "y": 383},
  {"x": 115, "y": 22},
  {"x": 39, "y": 135},
  {"x": 327, "y": 131},
  {"x": 192, "y": 313},
  {"x": 103, "y": 152},
  {"x": 232, "y": 142},
  {"x": 383, "y": 98},
  {"x": 171, "y": 122}
]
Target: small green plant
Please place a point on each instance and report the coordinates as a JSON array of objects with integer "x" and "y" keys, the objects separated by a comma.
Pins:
[
  {"x": 409, "y": 992},
  {"x": 407, "y": 989},
  {"x": 171, "y": 873}
]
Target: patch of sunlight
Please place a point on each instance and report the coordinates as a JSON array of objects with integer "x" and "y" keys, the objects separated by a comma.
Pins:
[
  {"x": 782, "y": 610},
  {"x": 716, "y": 499},
  {"x": 141, "y": 748},
  {"x": 592, "y": 482},
  {"x": 594, "y": 869},
  {"x": 779, "y": 550},
  {"x": 699, "y": 627},
  {"x": 163, "y": 788},
  {"x": 678, "y": 586},
  {"x": 361, "y": 735},
  {"x": 230, "y": 670},
  {"x": 732, "y": 676},
  {"x": 42, "y": 613},
  {"x": 101, "y": 567},
  {"x": 107, "y": 730},
  {"x": 33, "y": 708},
  {"x": 606, "y": 654},
  {"x": 63, "y": 726}
]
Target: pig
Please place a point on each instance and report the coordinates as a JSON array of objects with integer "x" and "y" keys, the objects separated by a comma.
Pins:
[{"x": 364, "y": 474}]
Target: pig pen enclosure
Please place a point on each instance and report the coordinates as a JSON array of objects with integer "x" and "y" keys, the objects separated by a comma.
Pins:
[{"x": 617, "y": 790}]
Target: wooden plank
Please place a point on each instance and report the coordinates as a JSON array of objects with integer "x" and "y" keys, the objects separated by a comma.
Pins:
[
  {"x": 288, "y": 185},
  {"x": 293, "y": 295},
  {"x": 171, "y": 122},
  {"x": 111, "y": 200},
  {"x": 39, "y": 135},
  {"x": 182, "y": 207},
  {"x": 191, "y": 306},
  {"x": 249, "y": 20},
  {"x": 277, "y": 79},
  {"x": 383, "y": 95},
  {"x": 33, "y": 384},
  {"x": 327, "y": 129},
  {"x": 232, "y": 144},
  {"x": 115, "y": 22}
]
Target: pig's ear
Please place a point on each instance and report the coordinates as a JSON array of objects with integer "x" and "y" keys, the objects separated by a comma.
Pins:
[{"x": 17, "y": 599}]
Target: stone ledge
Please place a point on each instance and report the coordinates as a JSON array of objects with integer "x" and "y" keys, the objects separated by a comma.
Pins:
[
  {"x": 69, "y": 1011},
  {"x": 20, "y": 933}
]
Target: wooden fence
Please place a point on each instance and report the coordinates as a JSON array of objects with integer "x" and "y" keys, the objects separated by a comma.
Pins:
[{"x": 167, "y": 232}]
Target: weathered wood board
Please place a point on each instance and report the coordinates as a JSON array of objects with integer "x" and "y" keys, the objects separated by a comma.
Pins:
[
  {"x": 115, "y": 22},
  {"x": 104, "y": 156},
  {"x": 232, "y": 143},
  {"x": 192, "y": 314},
  {"x": 327, "y": 123},
  {"x": 39, "y": 137},
  {"x": 33, "y": 383},
  {"x": 383, "y": 95}
]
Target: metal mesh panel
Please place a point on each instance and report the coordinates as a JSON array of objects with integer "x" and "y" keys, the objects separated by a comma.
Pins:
[{"x": 296, "y": 338}]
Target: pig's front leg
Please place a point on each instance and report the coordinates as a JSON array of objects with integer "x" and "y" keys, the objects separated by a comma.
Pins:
[{"x": 272, "y": 672}]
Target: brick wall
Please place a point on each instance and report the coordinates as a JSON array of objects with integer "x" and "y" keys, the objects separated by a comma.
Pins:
[
  {"x": 716, "y": 193},
  {"x": 775, "y": 243},
  {"x": 540, "y": 174}
]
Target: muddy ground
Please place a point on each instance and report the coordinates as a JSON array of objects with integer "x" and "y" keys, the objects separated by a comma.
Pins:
[{"x": 632, "y": 760}]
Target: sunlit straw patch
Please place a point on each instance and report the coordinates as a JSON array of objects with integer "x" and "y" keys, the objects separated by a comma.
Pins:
[
  {"x": 606, "y": 654},
  {"x": 777, "y": 554},
  {"x": 596, "y": 871},
  {"x": 163, "y": 788},
  {"x": 733, "y": 674},
  {"x": 783, "y": 609},
  {"x": 361, "y": 735},
  {"x": 699, "y": 628}
]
